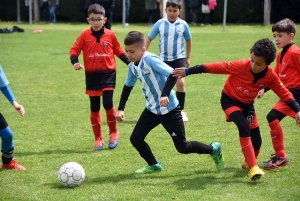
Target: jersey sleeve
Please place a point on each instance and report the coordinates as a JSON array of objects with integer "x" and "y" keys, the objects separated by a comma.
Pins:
[
  {"x": 77, "y": 46},
  {"x": 3, "y": 80},
  {"x": 158, "y": 65},
  {"x": 296, "y": 60},
  {"x": 231, "y": 67},
  {"x": 155, "y": 30},
  {"x": 187, "y": 33},
  {"x": 276, "y": 85},
  {"x": 131, "y": 78},
  {"x": 118, "y": 51}
]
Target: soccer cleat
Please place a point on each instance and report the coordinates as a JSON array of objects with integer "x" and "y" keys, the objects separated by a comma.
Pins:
[
  {"x": 13, "y": 165},
  {"x": 113, "y": 140},
  {"x": 217, "y": 155},
  {"x": 276, "y": 162},
  {"x": 150, "y": 169},
  {"x": 184, "y": 116},
  {"x": 255, "y": 173},
  {"x": 99, "y": 144},
  {"x": 245, "y": 166},
  {"x": 268, "y": 160}
]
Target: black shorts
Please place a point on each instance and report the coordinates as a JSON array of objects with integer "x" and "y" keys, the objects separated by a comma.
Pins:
[
  {"x": 100, "y": 80},
  {"x": 3, "y": 123},
  {"x": 171, "y": 121},
  {"x": 178, "y": 63}
]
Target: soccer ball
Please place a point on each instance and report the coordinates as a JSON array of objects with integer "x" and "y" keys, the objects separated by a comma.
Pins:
[{"x": 71, "y": 174}]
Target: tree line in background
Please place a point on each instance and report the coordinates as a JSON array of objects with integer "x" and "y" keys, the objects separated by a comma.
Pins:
[{"x": 238, "y": 11}]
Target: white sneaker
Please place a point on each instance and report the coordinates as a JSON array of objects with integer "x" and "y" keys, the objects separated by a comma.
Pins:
[{"x": 184, "y": 116}]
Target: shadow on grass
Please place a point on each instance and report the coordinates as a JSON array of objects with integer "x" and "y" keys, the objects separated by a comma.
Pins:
[{"x": 59, "y": 151}]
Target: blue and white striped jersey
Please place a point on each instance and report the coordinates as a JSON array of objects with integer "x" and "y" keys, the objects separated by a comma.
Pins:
[
  {"x": 171, "y": 38},
  {"x": 3, "y": 80},
  {"x": 153, "y": 74}
]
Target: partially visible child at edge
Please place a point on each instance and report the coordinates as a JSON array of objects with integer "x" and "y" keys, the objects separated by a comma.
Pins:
[
  {"x": 162, "y": 106},
  {"x": 99, "y": 45},
  {"x": 7, "y": 145},
  {"x": 246, "y": 78},
  {"x": 172, "y": 32},
  {"x": 288, "y": 69}
]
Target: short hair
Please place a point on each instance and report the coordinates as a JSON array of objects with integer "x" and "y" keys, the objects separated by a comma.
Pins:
[
  {"x": 134, "y": 37},
  {"x": 96, "y": 9},
  {"x": 174, "y": 3},
  {"x": 264, "y": 48},
  {"x": 286, "y": 25}
]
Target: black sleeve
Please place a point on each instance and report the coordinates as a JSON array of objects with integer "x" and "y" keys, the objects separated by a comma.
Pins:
[
  {"x": 196, "y": 69},
  {"x": 124, "y": 97},
  {"x": 267, "y": 89},
  {"x": 294, "y": 105},
  {"x": 125, "y": 59},
  {"x": 171, "y": 81},
  {"x": 74, "y": 59}
]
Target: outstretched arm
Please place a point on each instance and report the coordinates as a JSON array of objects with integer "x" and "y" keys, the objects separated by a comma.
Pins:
[{"x": 182, "y": 72}]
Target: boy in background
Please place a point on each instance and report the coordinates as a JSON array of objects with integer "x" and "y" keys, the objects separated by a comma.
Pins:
[
  {"x": 161, "y": 106},
  {"x": 288, "y": 70},
  {"x": 172, "y": 32},
  {"x": 246, "y": 78},
  {"x": 99, "y": 45},
  {"x": 7, "y": 146}
]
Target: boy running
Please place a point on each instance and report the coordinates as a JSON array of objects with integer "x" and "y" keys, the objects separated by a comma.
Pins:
[
  {"x": 99, "y": 45},
  {"x": 246, "y": 78},
  {"x": 172, "y": 32},
  {"x": 288, "y": 69},
  {"x": 162, "y": 106}
]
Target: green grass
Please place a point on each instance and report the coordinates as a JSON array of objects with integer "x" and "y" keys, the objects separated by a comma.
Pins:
[{"x": 56, "y": 127}]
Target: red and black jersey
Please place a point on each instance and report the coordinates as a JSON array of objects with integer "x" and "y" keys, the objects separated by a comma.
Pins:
[
  {"x": 243, "y": 85},
  {"x": 288, "y": 68},
  {"x": 98, "y": 50}
]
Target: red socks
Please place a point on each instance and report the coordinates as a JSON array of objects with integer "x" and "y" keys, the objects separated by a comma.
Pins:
[
  {"x": 111, "y": 120},
  {"x": 96, "y": 124},
  {"x": 248, "y": 151},
  {"x": 277, "y": 138}
]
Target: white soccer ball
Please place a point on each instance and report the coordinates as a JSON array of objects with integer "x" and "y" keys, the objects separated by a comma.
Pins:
[{"x": 71, "y": 174}]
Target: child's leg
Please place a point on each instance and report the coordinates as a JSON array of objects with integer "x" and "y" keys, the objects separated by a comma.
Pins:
[
  {"x": 173, "y": 123},
  {"x": 244, "y": 135},
  {"x": 145, "y": 124},
  {"x": 7, "y": 147},
  {"x": 274, "y": 117},
  {"x": 256, "y": 140},
  {"x": 95, "y": 117},
  {"x": 110, "y": 111}
]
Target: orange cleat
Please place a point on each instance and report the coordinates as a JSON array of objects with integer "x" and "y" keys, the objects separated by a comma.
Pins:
[
  {"x": 99, "y": 144},
  {"x": 13, "y": 165},
  {"x": 113, "y": 140}
]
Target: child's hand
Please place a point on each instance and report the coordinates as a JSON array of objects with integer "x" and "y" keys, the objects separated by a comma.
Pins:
[
  {"x": 179, "y": 72},
  {"x": 164, "y": 101},
  {"x": 19, "y": 108},
  {"x": 260, "y": 94},
  {"x": 297, "y": 117},
  {"x": 78, "y": 66},
  {"x": 120, "y": 115}
]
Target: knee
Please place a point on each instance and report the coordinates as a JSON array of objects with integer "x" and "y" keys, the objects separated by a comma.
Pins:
[
  {"x": 244, "y": 130},
  {"x": 135, "y": 141},
  {"x": 182, "y": 148},
  {"x": 180, "y": 83}
]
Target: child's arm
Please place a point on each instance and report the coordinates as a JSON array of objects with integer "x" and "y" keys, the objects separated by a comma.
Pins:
[
  {"x": 124, "y": 97},
  {"x": 147, "y": 43},
  {"x": 188, "y": 52},
  {"x": 7, "y": 92},
  {"x": 118, "y": 51},
  {"x": 75, "y": 52},
  {"x": 170, "y": 83}
]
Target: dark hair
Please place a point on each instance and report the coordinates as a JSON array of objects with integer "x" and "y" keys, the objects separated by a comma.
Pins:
[
  {"x": 174, "y": 3},
  {"x": 96, "y": 9},
  {"x": 134, "y": 37},
  {"x": 285, "y": 25},
  {"x": 264, "y": 48}
]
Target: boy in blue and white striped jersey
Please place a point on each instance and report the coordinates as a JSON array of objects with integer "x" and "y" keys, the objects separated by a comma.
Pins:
[
  {"x": 161, "y": 105},
  {"x": 172, "y": 32}
]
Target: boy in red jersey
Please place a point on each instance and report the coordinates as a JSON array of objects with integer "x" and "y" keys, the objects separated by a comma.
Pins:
[
  {"x": 288, "y": 69},
  {"x": 246, "y": 78},
  {"x": 99, "y": 45}
]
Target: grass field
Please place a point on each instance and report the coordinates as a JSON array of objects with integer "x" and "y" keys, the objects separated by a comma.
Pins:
[{"x": 56, "y": 128}]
